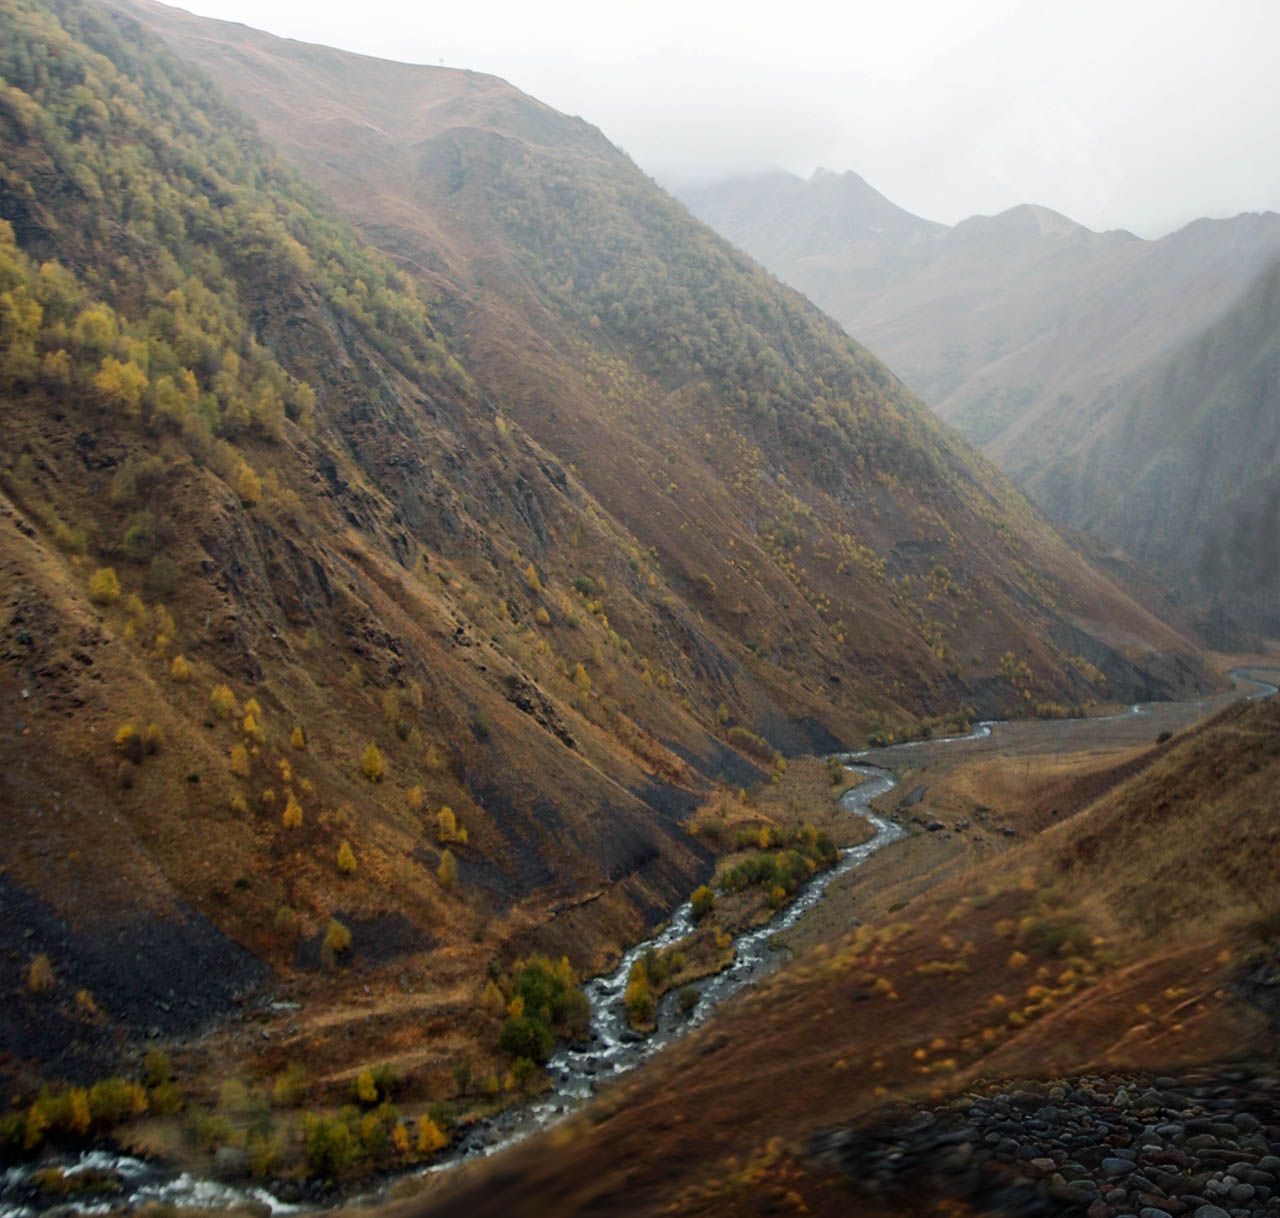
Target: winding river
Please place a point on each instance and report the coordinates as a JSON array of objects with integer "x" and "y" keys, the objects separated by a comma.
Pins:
[{"x": 612, "y": 1049}]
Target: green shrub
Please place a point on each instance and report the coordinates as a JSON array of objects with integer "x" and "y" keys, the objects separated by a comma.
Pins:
[{"x": 524, "y": 1036}]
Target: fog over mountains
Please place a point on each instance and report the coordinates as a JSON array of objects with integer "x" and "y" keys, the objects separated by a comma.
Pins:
[{"x": 1036, "y": 336}]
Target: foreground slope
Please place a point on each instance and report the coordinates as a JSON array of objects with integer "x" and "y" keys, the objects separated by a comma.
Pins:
[
  {"x": 1137, "y": 931},
  {"x": 850, "y": 555}
]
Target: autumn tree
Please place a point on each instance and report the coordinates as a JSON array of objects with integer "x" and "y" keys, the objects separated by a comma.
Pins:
[
  {"x": 371, "y": 764},
  {"x": 248, "y": 485},
  {"x": 337, "y": 939},
  {"x": 446, "y": 824},
  {"x": 40, "y": 974},
  {"x": 222, "y": 701},
  {"x": 292, "y": 819},
  {"x": 104, "y": 586},
  {"x": 120, "y": 385},
  {"x": 346, "y": 859},
  {"x": 493, "y": 999},
  {"x": 448, "y": 870},
  {"x": 430, "y": 1136},
  {"x": 400, "y": 1138}
]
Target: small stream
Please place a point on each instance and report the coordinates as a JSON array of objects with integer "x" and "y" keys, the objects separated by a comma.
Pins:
[
  {"x": 613, "y": 1049},
  {"x": 576, "y": 1072}
]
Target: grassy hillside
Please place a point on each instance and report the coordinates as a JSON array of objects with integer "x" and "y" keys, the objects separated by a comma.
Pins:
[{"x": 1134, "y": 928}]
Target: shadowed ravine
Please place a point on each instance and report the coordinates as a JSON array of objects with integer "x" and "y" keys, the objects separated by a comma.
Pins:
[{"x": 611, "y": 1049}]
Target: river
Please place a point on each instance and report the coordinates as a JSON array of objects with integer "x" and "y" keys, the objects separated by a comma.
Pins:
[{"x": 611, "y": 1048}]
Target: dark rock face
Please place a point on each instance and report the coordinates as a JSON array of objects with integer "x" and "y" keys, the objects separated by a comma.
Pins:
[
  {"x": 1206, "y": 1146},
  {"x": 150, "y": 975}
]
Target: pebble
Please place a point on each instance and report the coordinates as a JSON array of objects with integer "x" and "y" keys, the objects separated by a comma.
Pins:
[
  {"x": 1117, "y": 1167},
  {"x": 1207, "y": 1146}
]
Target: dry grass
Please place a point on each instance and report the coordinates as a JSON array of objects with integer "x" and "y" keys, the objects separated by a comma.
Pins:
[{"x": 1059, "y": 954}]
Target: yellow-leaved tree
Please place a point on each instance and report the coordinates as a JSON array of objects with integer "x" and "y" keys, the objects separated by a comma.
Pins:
[
  {"x": 446, "y": 824},
  {"x": 222, "y": 701},
  {"x": 104, "y": 586},
  {"x": 371, "y": 763},
  {"x": 448, "y": 871},
  {"x": 293, "y": 820},
  {"x": 430, "y": 1137},
  {"x": 346, "y": 859},
  {"x": 337, "y": 939}
]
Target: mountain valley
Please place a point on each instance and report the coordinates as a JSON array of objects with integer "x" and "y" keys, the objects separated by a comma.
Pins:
[{"x": 483, "y": 661}]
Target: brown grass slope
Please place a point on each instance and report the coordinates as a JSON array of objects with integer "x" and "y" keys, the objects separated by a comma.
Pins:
[
  {"x": 790, "y": 489},
  {"x": 1122, "y": 936}
]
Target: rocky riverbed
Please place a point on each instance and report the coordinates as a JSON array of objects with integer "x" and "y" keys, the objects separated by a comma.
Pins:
[{"x": 1205, "y": 1146}]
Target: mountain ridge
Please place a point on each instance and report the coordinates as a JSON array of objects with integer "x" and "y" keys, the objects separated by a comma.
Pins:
[{"x": 1027, "y": 332}]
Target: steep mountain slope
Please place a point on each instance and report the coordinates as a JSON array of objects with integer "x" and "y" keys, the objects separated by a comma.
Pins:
[
  {"x": 779, "y": 475},
  {"x": 1137, "y": 931},
  {"x": 1181, "y": 468},
  {"x": 257, "y": 519},
  {"x": 423, "y": 604}
]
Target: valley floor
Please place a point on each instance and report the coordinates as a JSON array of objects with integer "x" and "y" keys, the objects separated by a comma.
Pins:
[{"x": 974, "y": 949}]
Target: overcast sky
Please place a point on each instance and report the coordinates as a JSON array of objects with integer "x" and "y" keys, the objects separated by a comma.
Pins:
[{"x": 1139, "y": 114}]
